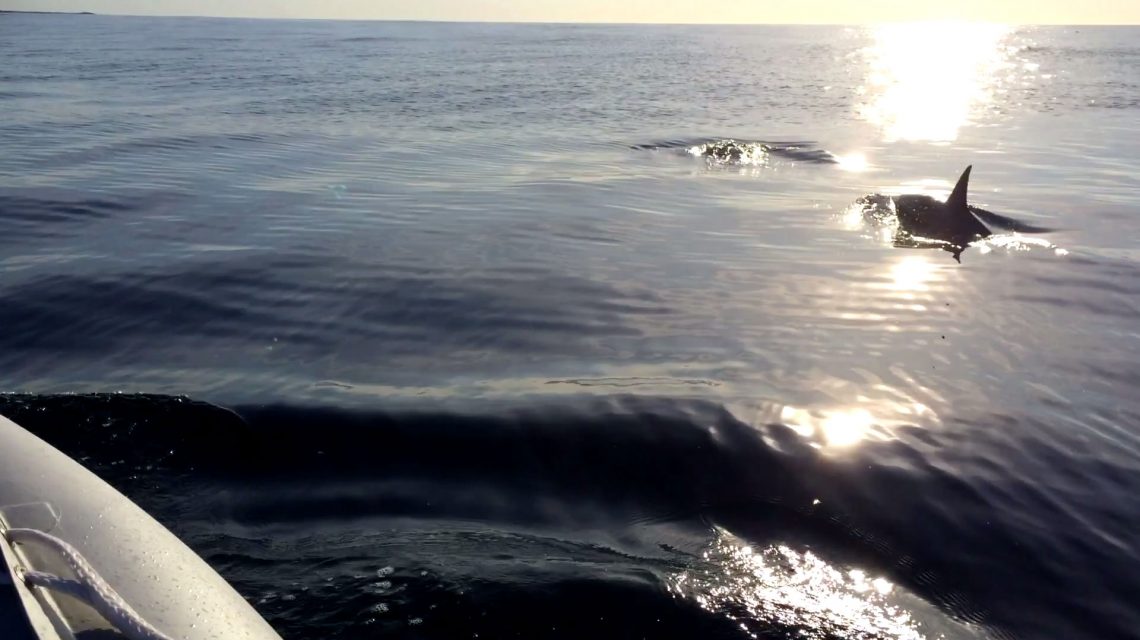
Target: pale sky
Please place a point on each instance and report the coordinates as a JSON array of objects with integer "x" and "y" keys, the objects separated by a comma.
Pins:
[{"x": 660, "y": 11}]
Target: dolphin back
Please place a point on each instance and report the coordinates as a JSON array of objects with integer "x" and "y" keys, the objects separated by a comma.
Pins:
[
  {"x": 957, "y": 206},
  {"x": 1008, "y": 224}
]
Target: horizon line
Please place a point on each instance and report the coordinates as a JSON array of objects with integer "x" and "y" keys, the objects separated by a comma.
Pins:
[{"x": 582, "y": 22}]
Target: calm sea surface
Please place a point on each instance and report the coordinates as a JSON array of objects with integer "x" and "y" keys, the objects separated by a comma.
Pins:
[{"x": 451, "y": 331}]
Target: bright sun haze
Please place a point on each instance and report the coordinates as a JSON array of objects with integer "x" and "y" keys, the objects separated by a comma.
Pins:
[{"x": 1105, "y": 12}]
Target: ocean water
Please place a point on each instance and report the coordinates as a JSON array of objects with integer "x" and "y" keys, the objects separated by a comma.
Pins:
[{"x": 566, "y": 331}]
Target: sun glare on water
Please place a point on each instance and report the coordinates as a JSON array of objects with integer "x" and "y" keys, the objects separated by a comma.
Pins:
[
  {"x": 925, "y": 81},
  {"x": 854, "y": 162},
  {"x": 912, "y": 274},
  {"x": 796, "y": 591}
]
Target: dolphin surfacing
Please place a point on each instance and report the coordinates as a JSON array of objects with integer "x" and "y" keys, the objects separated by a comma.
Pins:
[
  {"x": 953, "y": 225},
  {"x": 950, "y": 222}
]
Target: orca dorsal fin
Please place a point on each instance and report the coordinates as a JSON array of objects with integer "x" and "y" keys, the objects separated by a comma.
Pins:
[{"x": 957, "y": 199}]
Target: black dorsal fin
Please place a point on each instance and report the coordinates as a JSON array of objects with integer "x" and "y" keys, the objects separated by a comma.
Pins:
[{"x": 957, "y": 199}]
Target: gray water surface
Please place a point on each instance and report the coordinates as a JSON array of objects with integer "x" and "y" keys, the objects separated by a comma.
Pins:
[{"x": 480, "y": 217}]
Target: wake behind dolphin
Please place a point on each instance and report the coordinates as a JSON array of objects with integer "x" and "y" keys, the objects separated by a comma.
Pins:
[{"x": 922, "y": 221}]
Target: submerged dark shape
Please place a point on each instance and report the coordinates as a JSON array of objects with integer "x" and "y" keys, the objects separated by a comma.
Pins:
[{"x": 923, "y": 221}]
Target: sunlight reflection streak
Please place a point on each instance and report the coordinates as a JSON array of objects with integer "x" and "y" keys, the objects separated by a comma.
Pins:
[{"x": 924, "y": 81}]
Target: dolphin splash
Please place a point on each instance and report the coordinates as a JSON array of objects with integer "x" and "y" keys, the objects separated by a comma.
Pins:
[{"x": 732, "y": 152}]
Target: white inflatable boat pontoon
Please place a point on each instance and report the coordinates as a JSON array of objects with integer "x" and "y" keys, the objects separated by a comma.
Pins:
[{"x": 79, "y": 561}]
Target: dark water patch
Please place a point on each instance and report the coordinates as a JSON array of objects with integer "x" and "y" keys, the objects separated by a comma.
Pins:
[
  {"x": 373, "y": 39},
  {"x": 153, "y": 148},
  {"x": 48, "y": 215},
  {"x": 9, "y": 94},
  {"x": 28, "y": 77},
  {"x": 472, "y": 582},
  {"x": 121, "y": 435},
  {"x": 95, "y": 315},
  {"x": 490, "y": 311},
  {"x": 612, "y": 465},
  {"x": 975, "y": 544},
  {"x": 33, "y": 210}
]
